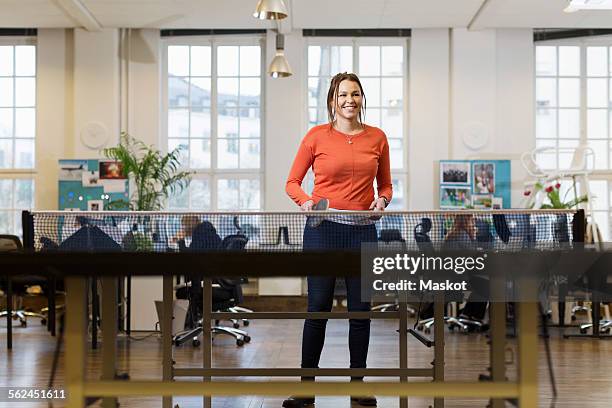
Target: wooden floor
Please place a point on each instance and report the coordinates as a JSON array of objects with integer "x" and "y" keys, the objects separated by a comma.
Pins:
[{"x": 583, "y": 367}]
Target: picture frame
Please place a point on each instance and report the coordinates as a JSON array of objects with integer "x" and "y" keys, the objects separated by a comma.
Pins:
[
  {"x": 455, "y": 196},
  {"x": 95, "y": 205},
  {"x": 455, "y": 172},
  {"x": 483, "y": 178},
  {"x": 111, "y": 170}
]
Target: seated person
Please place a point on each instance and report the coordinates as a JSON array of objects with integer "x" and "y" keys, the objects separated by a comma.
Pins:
[
  {"x": 188, "y": 223},
  {"x": 462, "y": 235}
]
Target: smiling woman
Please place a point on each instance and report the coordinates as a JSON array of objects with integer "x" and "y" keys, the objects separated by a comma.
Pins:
[{"x": 347, "y": 156}]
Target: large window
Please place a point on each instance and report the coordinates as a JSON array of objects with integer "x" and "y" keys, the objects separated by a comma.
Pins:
[
  {"x": 214, "y": 104},
  {"x": 381, "y": 66},
  {"x": 573, "y": 107},
  {"x": 17, "y": 131}
]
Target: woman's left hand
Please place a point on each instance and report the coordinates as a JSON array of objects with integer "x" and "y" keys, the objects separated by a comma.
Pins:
[{"x": 378, "y": 204}]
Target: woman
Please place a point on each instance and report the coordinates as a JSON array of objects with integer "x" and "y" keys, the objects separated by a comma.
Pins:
[{"x": 346, "y": 156}]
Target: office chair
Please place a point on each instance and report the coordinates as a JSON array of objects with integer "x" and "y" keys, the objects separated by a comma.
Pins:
[
  {"x": 424, "y": 243},
  {"x": 226, "y": 293},
  {"x": 392, "y": 239},
  {"x": 474, "y": 310},
  {"x": 10, "y": 243}
]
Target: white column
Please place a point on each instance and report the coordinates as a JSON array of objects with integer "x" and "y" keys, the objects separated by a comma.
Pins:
[{"x": 428, "y": 136}]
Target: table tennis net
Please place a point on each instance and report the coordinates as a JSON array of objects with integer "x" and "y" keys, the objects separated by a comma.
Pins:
[{"x": 286, "y": 232}]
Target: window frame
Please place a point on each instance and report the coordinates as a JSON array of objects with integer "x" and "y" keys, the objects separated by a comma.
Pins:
[
  {"x": 14, "y": 173},
  {"x": 597, "y": 175},
  {"x": 356, "y": 42},
  {"x": 212, "y": 174}
]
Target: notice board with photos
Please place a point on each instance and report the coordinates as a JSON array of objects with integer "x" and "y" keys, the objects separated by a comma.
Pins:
[
  {"x": 91, "y": 185},
  {"x": 477, "y": 184}
]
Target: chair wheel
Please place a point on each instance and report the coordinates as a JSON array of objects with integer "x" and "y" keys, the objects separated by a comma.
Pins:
[
  {"x": 24, "y": 323},
  {"x": 196, "y": 343},
  {"x": 240, "y": 342},
  {"x": 236, "y": 325},
  {"x": 245, "y": 323},
  {"x": 573, "y": 318},
  {"x": 583, "y": 331},
  {"x": 427, "y": 330},
  {"x": 420, "y": 327},
  {"x": 43, "y": 321},
  {"x": 451, "y": 327},
  {"x": 247, "y": 339}
]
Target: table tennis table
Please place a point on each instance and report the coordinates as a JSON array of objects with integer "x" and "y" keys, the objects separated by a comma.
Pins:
[{"x": 262, "y": 258}]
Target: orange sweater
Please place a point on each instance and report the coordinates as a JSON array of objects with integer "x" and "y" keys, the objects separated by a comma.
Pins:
[{"x": 344, "y": 172}]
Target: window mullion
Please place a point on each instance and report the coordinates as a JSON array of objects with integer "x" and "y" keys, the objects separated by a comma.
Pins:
[
  {"x": 213, "y": 126},
  {"x": 189, "y": 141},
  {"x": 14, "y": 112},
  {"x": 583, "y": 95}
]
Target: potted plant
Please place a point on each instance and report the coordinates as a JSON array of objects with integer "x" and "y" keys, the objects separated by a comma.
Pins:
[
  {"x": 553, "y": 194},
  {"x": 152, "y": 175}
]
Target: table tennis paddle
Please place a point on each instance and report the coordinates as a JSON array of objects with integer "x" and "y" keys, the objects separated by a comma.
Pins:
[{"x": 322, "y": 205}]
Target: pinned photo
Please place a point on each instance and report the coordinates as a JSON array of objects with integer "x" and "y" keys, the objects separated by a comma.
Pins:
[
  {"x": 111, "y": 170},
  {"x": 455, "y": 197},
  {"x": 482, "y": 202},
  {"x": 455, "y": 172},
  {"x": 90, "y": 179},
  {"x": 95, "y": 205},
  {"x": 484, "y": 178},
  {"x": 72, "y": 170}
]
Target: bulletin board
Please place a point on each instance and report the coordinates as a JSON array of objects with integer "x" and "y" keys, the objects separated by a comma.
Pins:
[
  {"x": 477, "y": 184},
  {"x": 91, "y": 185}
]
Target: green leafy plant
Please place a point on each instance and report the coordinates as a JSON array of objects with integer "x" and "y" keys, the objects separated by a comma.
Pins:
[
  {"x": 553, "y": 192},
  {"x": 153, "y": 174}
]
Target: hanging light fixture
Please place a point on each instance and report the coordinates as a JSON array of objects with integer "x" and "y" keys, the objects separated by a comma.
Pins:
[
  {"x": 270, "y": 10},
  {"x": 279, "y": 67}
]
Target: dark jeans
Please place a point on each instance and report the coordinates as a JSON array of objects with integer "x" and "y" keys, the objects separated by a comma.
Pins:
[{"x": 330, "y": 236}]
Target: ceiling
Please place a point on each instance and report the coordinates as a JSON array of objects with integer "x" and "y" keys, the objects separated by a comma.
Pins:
[{"x": 236, "y": 14}]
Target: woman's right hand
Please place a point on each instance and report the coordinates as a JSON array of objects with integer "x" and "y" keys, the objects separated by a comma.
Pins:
[{"x": 307, "y": 206}]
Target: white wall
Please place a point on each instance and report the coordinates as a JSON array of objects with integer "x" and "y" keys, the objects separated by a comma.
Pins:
[
  {"x": 461, "y": 80},
  {"x": 428, "y": 103},
  {"x": 96, "y": 85},
  {"x": 53, "y": 119}
]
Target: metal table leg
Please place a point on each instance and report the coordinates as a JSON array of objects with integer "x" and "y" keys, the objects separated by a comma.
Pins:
[
  {"x": 95, "y": 313},
  {"x": 439, "y": 344},
  {"x": 166, "y": 329},
  {"x": 403, "y": 345},
  {"x": 497, "y": 317},
  {"x": 9, "y": 313},
  {"x": 528, "y": 345},
  {"x": 206, "y": 333},
  {"x": 109, "y": 334},
  {"x": 76, "y": 340},
  {"x": 497, "y": 314}
]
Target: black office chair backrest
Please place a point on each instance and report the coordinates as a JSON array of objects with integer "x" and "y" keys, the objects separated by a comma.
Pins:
[
  {"x": 561, "y": 229},
  {"x": 89, "y": 238},
  {"x": 484, "y": 237},
  {"x": 234, "y": 242},
  {"x": 205, "y": 238},
  {"x": 47, "y": 244},
  {"x": 10, "y": 243},
  {"x": 391, "y": 235},
  {"x": 501, "y": 227},
  {"x": 421, "y": 235}
]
